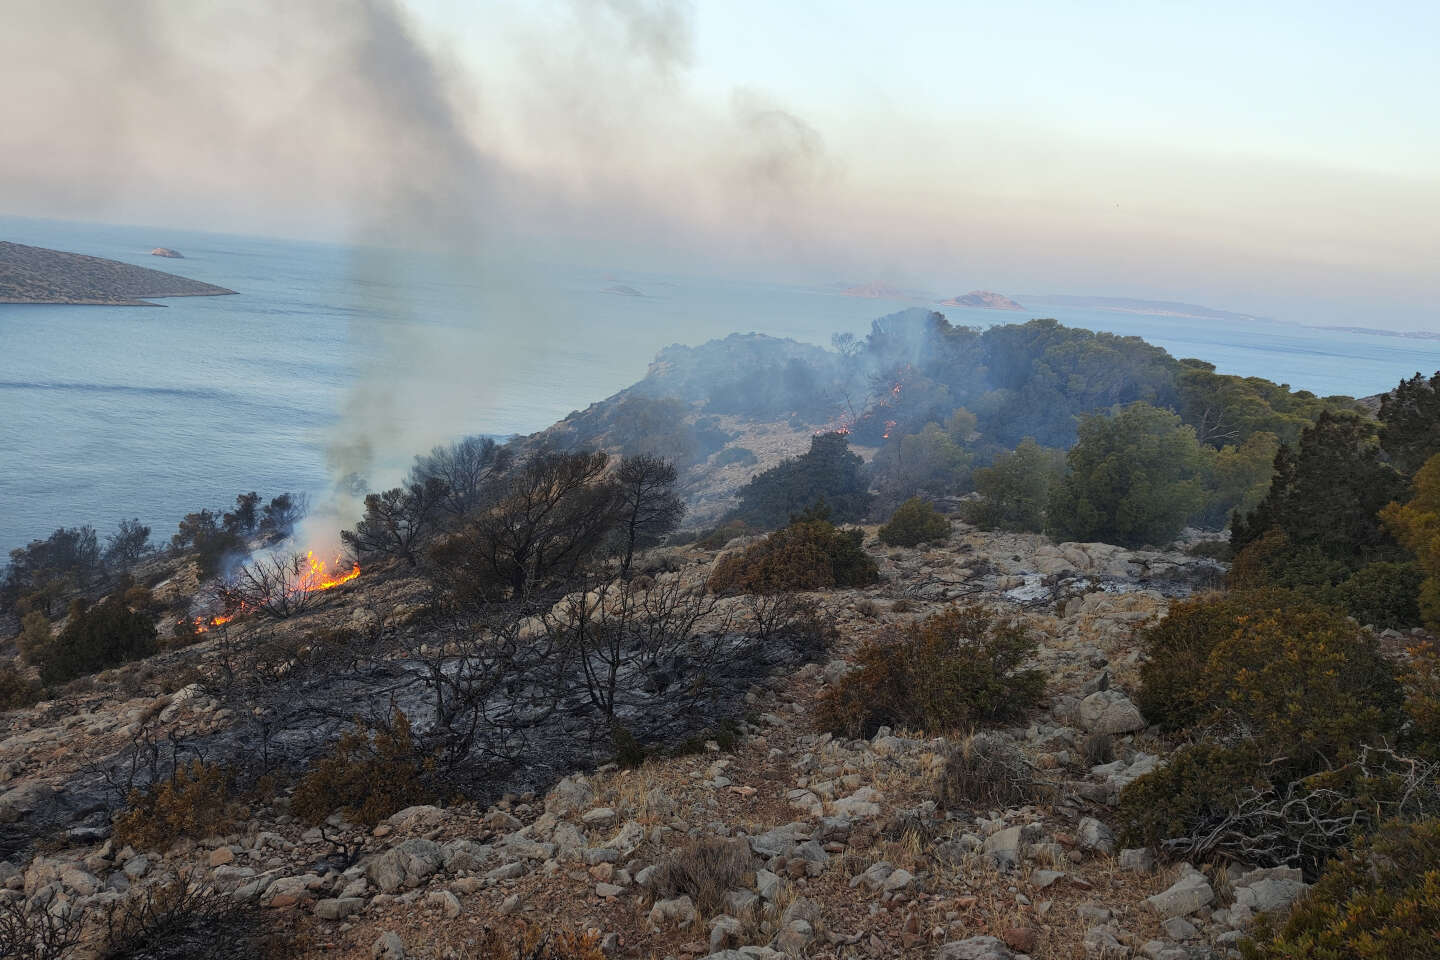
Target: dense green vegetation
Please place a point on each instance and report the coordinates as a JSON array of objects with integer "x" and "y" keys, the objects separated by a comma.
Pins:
[
  {"x": 828, "y": 472},
  {"x": 810, "y": 553},
  {"x": 914, "y": 522}
]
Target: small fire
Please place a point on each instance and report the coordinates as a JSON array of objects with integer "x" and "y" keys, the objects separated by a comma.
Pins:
[
  {"x": 202, "y": 624},
  {"x": 319, "y": 577},
  {"x": 889, "y": 427},
  {"x": 895, "y": 390}
]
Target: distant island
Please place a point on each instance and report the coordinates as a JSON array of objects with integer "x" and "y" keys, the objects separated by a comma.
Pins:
[
  {"x": 167, "y": 252},
  {"x": 982, "y": 300},
  {"x": 621, "y": 290},
  {"x": 876, "y": 291},
  {"x": 1375, "y": 331},
  {"x": 1156, "y": 308},
  {"x": 38, "y": 275}
]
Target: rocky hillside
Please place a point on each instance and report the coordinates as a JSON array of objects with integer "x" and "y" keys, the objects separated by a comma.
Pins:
[
  {"x": 783, "y": 841},
  {"x": 38, "y": 275}
]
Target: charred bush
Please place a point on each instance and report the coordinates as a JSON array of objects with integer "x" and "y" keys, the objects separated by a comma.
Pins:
[
  {"x": 373, "y": 771},
  {"x": 704, "y": 870},
  {"x": 179, "y": 921},
  {"x": 194, "y": 801},
  {"x": 27, "y": 934},
  {"x": 468, "y": 468},
  {"x": 986, "y": 771},
  {"x": 397, "y": 521}
]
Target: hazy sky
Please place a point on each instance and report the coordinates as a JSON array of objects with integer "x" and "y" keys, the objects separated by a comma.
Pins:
[{"x": 1282, "y": 160}]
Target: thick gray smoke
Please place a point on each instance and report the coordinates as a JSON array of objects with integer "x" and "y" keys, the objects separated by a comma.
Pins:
[{"x": 339, "y": 117}]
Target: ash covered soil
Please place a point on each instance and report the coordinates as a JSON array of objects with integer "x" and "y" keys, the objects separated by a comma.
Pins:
[{"x": 839, "y": 846}]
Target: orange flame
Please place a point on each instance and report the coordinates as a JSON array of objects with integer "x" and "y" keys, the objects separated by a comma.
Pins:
[
  {"x": 202, "y": 624},
  {"x": 318, "y": 577},
  {"x": 889, "y": 427}
]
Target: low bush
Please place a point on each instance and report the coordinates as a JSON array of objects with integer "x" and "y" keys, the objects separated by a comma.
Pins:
[
  {"x": 723, "y": 534},
  {"x": 16, "y": 688},
  {"x": 96, "y": 638},
  {"x": 28, "y": 934},
  {"x": 956, "y": 669},
  {"x": 1302, "y": 681},
  {"x": 809, "y": 554},
  {"x": 1382, "y": 594},
  {"x": 1379, "y": 901},
  {"x": 985, "y": 771},
  {"x": 704, "y": 870},
  {"x": 194, "y": 801},
  {"x": 914, "y": 522},
  {"x": 1097, "y": 748},
  {"x": 527, "y": 940},
  {"x": 1198, "y": 786},
  {"x": 179, "y": 920},
  {"x": 372, "y": 772}
]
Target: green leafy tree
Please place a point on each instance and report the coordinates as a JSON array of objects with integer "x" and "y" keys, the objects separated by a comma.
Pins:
[
  {"x": 1325, "y": 498},
  {"x": 1015, "y": 489},
  {"x": 931, "y": 461},
  {"x": 1410, "y": 422},
  {"x": 1133, "y": 478},
  {"x": 1416, "y": 524},
  {"x": 828, "y": 471},
  {"x": 1227, "y": 410},
  {"x": 1239, "y": 478}
]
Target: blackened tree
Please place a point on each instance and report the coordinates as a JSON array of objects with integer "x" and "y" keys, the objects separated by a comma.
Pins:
[
  {"x": 397, "y": 521},
  {"x": 246, "y": 515},
  {"x": 468, "y": 468},
  {"x": 649, "y": 506},
  {"x": 127, "y": 544}
]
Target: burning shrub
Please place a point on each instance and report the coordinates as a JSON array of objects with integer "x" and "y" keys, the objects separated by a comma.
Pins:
[
  {"x": 95, "y": 638},
  {"x": 372, "y": 772},
  {"x": 957, "y": 668},
  {"x": 280, "y": 586},
  {"x": 914, "y": 522},
  {"x": 809, "y": 554},
  {"x": 194, "y": 801}
]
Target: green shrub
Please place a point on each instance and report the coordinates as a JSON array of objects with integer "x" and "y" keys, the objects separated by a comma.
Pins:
[
  {"x": 16, "y": 688},
  {"x": 1380, "y": 901},
  {"x": 809, "y": 554},
  {"x": 1133, "y": 478},
  {"x": 1015, "y": 489},
  {"x": 1200, "y": 784},
  {"x": 372, "y": 772},
  {"x": 1302, "y": 681},
  {"x": 717, "y": 538},
  {"x": 951, "y": 671},
  {"x": 1382, "y": 594},
  {"x": 916, "y": 521},
  {"x": 193, "y": 802},
  {"x": 98, "y": 637}
]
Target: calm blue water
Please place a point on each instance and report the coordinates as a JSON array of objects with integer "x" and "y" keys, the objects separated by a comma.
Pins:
[{"x": 111, "y": 412}]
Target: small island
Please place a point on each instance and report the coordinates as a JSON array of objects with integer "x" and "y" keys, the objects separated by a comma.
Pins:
[
  {"x": 982, "y": 300},
  {"x": 167, "y": 252},
  {"x": 38, "y": 275}
]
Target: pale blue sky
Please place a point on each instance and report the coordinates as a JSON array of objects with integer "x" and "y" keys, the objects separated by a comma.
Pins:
[{"x": 1276, "y": 157}]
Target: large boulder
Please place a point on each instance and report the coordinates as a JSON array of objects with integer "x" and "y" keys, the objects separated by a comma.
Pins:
[
  {"x": 1110, "y": 711},
  {"x": 1186, "y": 895}
]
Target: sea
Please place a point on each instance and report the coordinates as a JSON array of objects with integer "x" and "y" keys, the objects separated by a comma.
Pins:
[{"x": 332, "y": 360}]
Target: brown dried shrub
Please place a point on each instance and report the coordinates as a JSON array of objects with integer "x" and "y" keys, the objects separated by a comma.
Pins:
[
  {"x": 373, "y": 771},
  {"x": 194, "y": 801},
  {"x": 704, "y": 870},
  {"x": 985, "y": 770}
]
